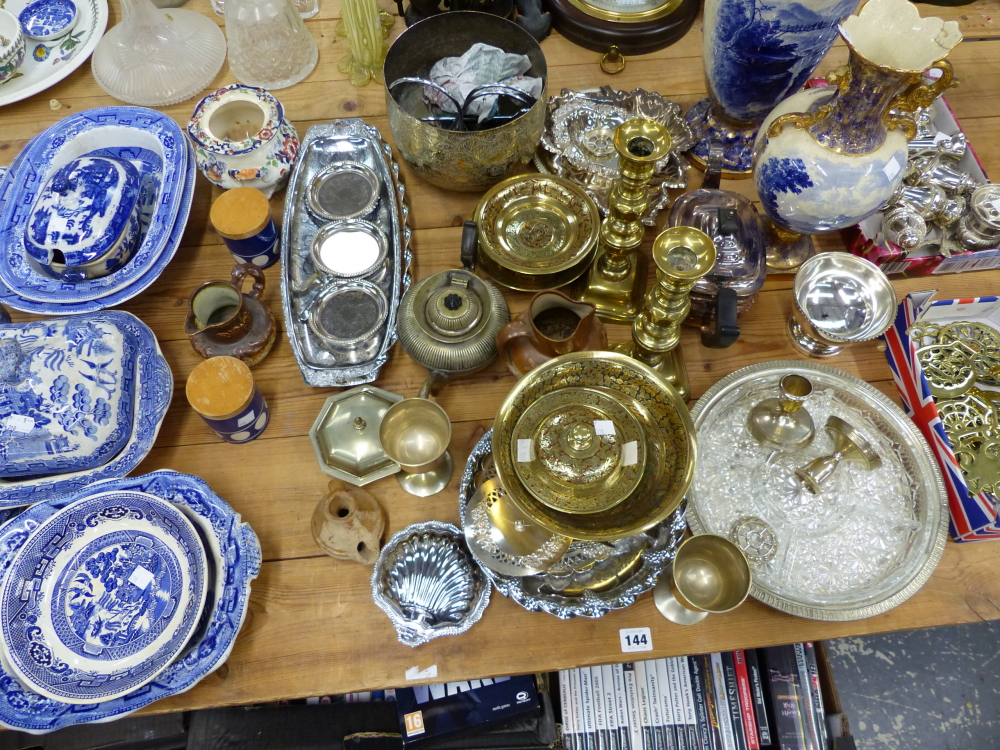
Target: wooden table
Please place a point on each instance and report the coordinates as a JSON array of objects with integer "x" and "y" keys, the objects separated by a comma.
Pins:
[{"x": 312, "y": 628}]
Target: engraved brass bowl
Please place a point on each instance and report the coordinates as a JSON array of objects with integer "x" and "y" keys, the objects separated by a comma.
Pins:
[
  {"x": 671, "y": 454},
  {"x": 579, "y": 450},
  {"x": 537, "y": 231}
]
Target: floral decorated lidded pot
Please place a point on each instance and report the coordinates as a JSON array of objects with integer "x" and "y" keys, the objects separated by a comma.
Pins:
[
  {"x": 242, "y": 139},
  {"x": 828, "y": 157}
]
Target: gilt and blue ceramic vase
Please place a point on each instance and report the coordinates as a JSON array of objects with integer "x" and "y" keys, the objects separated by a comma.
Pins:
[
  {"x": 828, "y": 157},
  {"x": 757, "y": 52}
]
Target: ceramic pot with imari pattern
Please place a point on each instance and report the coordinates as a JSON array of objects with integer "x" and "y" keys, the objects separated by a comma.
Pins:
[{"x": 828, "y": 157}]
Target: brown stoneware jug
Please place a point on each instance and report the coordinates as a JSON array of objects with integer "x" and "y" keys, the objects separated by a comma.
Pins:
[
  {"x": 553, "y": 324},
  {"x": 348, "y": 524}
]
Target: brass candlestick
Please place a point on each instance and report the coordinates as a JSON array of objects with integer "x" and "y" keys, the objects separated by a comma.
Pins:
[
  {"x": 616, "y": 279},
  {"x": 682, "y": 256}
]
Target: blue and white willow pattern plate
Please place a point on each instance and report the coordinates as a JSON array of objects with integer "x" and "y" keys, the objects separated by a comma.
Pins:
[
  {"x": 146, "y": 275},
  {"x": 236, "y": 552},
  {"x": 131, "y": 133},
  {"x": 153, "y": 390},
  {"x": 67, "y": 394},
  {"x": 45, "y": 20},
  {"x": 102, "y": 597}
]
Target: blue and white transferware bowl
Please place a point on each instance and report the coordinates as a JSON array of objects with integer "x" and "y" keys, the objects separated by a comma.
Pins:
[
  {"x": 67, "y": 393},
  {"x": 45, "y": 20},
  {"x": 152, "y": 392},
  {"x": 12, "y": 46},
  {"x": 233, "y": 548},
  {"x": 85, "y": 221},
  {"x": 102, "y": 597}
]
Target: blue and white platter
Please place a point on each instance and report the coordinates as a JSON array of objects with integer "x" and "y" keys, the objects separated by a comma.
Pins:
[
  {"x": 233, "y": 553},
  {"x": 47, "y": 20},
  {"x": 155, "y": 145},
  {"x": 67, "y": 393},
  {"x": 102, "y": 597},
  {"x": 152, "y": 392}
]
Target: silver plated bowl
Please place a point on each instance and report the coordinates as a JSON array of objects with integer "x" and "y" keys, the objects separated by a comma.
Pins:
[
  {"x": 426, "y": 580},
  {"x": 545, "y": 592},
  {"x": 867, "y": 541}
]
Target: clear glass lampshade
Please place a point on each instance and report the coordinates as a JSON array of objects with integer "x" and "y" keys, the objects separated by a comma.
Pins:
[
  {"x": 156, "y": 57},
  {"x": 269, "y": 45}
]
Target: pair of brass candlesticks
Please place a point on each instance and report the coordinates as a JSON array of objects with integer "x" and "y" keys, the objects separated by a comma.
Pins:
[{"x": 616, "y": 280}]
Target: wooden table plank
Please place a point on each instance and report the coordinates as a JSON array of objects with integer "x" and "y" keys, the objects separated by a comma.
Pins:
[{"x": 313, "y": 628}]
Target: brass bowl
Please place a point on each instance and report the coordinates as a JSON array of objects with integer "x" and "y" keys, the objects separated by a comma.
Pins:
[
  {"x": 537, "y": 231},
  {"x": 665, "y": 480},
  {"x": 579, "y": 450}
]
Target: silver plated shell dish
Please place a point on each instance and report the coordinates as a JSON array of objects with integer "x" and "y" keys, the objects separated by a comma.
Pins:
[
  {"x": 578, "y": 141},
  {"x": 428, "y": 583},
  {"x": 545, "y": 592},
  {"x": 356, "y": 350}
]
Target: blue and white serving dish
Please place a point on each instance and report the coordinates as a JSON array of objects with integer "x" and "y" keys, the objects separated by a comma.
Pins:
[
  {"x": 155, "y": 146},
  {"x": 152, "y": 390},
  {"x": 103, "y": 595},
  {"x": 12, "y": 46},
  {"x": 46, "y": 20},
  {"x": 85, "y": 221},
  {"x": 67, "y": 393},
  {"x": 233, "y": 549}
]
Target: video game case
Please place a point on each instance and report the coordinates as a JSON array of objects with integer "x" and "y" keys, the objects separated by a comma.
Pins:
[
  {"x": 587, "y": 701},
  {"x": 710, "y": 705},
  {"x": 745, "y": 700},
  {"x": 610, "y": 709},
  {"x": 656, "y": 707},
  {"x": 645, "y": 711},
  {"x": 733, "y": 699},
  {"x": 723, "y": 715},
  {"x": 632, "y": 705},
  {"x": 817, "y": 694},
  {"x": 759, "y": 705},
  {"x": 788, "y": 706},
  {"x": 687, "y": 695},
  {"x": 673, "y": 693},
  {"x": 808, "y": 713},
  {"x": 600, "y": 711},
  {"x": 568, "y": 730},
  {"x": 694, "y": 666},
  {"x": 621, "y": 707},
  {"x": 666, "y": 706}
]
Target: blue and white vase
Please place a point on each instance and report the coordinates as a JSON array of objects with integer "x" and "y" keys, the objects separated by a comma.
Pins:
[
  {"x": 828, "y": 157},
  {"x": 757, "y": 53}
]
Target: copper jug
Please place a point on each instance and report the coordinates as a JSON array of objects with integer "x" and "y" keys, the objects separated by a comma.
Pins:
[{"x": 551, "y": 325}]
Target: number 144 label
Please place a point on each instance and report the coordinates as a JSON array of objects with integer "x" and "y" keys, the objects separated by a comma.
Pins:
[{"x": 635, "y": 639}]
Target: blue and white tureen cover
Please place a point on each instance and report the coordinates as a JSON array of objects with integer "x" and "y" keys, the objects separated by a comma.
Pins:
[
  {"x": 234, "y": 561},
  {"x": 67, "y": 392},
  {"x": 85, "y": 221},
  {"x": 102, "y": 596}
]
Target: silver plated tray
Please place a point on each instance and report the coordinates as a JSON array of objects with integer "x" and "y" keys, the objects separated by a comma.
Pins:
[
  {"x": 578, "y": 141},
  {"x": 541, "y": 593},
  {"x": 348, "y": 141},
  {"x": 861, "y": 546}
]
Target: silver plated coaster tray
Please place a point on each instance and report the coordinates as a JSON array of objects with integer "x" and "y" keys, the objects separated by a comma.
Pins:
[
  {"x": 541, "y": 593},
  {"x": 347, "y": 141},
  {"x": 867, "y": 541}
]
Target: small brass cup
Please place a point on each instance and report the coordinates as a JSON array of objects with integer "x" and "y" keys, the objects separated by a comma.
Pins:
[
  {"x": 415, "y": 434},
  {"x": 709, "y": 575}
]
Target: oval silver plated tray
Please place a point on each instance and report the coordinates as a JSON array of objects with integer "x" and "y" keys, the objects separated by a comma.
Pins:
[
  {"x": 347, "y": 141},
  {"x": 862, "y": 545},
  {"x": 538, "y": 593}
]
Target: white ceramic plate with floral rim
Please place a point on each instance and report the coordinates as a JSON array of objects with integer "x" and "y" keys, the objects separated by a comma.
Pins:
[{"x": 47, "y": 63}]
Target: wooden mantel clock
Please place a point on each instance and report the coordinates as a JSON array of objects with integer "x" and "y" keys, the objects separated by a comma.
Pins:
[{"x": 635, "y": 27}]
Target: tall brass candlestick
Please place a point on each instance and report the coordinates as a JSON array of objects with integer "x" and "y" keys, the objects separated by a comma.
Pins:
[
  {"x": 616, "y": 280},
  {"x": 682, "y": 256}
]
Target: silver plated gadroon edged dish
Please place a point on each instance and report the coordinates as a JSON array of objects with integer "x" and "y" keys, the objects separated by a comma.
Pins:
[
  {"x": 866, "y": 541},
  {"x": 327, "y": 360}
]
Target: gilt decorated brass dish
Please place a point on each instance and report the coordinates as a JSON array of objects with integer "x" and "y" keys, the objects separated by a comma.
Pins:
[
  {"x": 536, "y": 231},
  {"x": 667, "y": 470},
  {"x": 579, "y": 450}
]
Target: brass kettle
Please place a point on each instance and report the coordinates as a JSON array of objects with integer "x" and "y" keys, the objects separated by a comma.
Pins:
[{"x": 448, "y": 321}]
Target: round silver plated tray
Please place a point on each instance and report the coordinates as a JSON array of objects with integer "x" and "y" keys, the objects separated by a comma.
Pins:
[
  {"x": 538, "y": 593},
  {"x": 862, "y": 545}
]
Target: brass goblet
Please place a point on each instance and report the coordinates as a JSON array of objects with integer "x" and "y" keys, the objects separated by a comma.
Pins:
[
  {"x": 415, "y": 433},
  {"x": 709, "y": 575},
  {"x": 848, "y": 445}
]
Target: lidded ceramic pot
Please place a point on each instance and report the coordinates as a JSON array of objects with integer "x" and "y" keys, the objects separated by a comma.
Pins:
[
  {"x": 242, "y": 217},
  {"x": 85, "y": 221},
  {"x": 242, "y": 139},
  {"x": 12, "y": 45}
]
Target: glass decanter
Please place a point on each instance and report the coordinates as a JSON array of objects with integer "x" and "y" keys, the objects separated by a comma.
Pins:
[
  {"x": 269, "y": 45},
  {"x": 155, "y": 57}
]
